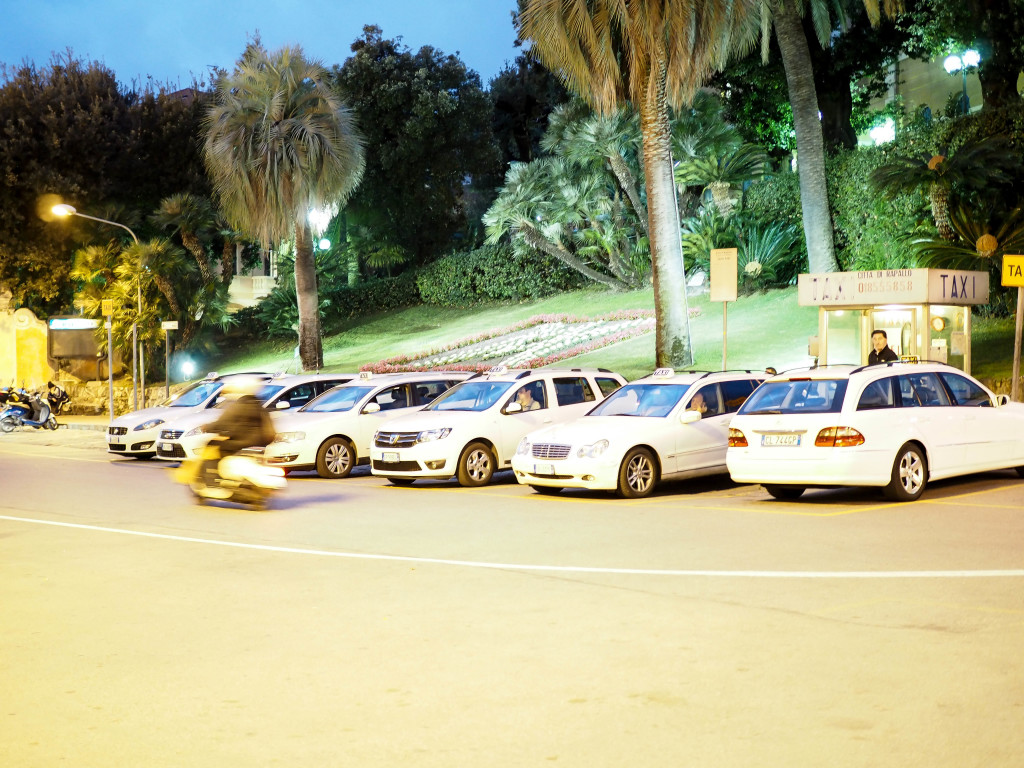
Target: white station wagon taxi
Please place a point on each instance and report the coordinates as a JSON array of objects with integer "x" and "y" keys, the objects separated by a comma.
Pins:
[
  {"x": 895, "y": 425},
  {"x": 662, "y": 427},
  {"x": 472, "y": 430}
]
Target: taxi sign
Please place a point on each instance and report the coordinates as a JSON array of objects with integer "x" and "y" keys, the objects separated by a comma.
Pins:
[
  {"x": 667, "y": 372},
  {"x": 1013, "y": 271},
  {"x": 107, "y": 307}
]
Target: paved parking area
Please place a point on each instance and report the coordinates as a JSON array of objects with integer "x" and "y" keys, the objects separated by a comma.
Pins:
[{"x": 357, "y": 623}]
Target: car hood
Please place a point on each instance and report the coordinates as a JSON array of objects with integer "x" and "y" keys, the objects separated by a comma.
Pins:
[
  {"x": 584, "y": 430},
  {"x": 423, "y": 420},
  {"x": 192, "y": 418},
  {"x": 300, "y": 421},
  {"x": 134, "y": 418}
]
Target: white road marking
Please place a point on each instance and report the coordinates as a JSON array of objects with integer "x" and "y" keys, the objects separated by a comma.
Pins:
[{"x": 995, "y": 573}]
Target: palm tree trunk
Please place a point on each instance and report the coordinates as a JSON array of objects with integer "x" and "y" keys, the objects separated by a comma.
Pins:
[
  {"x": 938, "y": 196},
  {"x": 628, "y": 184},
  {"x": 810, "y": 142},
  {"x": 672, "y": 320},
  {"x": 195, "y": 246},
  {"x": 227, "y": 261},
  {"x": 311, "y": 351},
  {"x": 541, "y": 243}
]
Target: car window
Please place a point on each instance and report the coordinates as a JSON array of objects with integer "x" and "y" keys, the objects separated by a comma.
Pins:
[
  {"x": 735, "y": 393},
  {"x": 530, "y": 396},
  {"x": 965, "y": 391},
  {"x": 922, "y": 389},
  {"x": 707, "y": 400},
  {"x": 391, "y": 398},
  {"x": 607, "y": 386},
  {"x": 267, "y": 391},
  {"x": 426, "y": 391},
  {"x": 877, "y": 394},
  {"x": 299, "y": 395},
  {"x": 641, "y": 400},
  {"x": 336, "y": 400},
  {"x": 471, "y": 396},
  {"x": 797, "y": 395},
  {"x": 197, "y": 395},
  {"x": 570, "y": 390}
]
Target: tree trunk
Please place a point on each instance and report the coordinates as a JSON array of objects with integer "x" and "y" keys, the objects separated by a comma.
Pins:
[
  {"x": 541, "y": 243},
  {"x": 803, "y": 99},
  {"x": 195, "y": 246},
  {"x": 311, "y": 351},
  {"x": 1000, "y": 26},
  {"x": 227, "y": 261},
  {"x": 672, "y": 321},
  {"x": 938, "y": 196},
  {"x": 628, "y": 184}
]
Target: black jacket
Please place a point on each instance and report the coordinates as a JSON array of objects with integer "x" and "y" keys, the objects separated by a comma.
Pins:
[
  {"x": 244, "y": 423},
  {"x": 885, "y": 356}
]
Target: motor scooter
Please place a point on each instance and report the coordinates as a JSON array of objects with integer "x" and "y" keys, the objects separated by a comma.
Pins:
[
  {"x": 21, "y": 409},
  {"x": 240, "y": 478},
  {"x": 57, "y": 397}
]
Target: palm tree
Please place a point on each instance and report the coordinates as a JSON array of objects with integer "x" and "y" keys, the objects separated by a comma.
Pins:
[
  {"x": 652, "y": 54},
  {"x": 192, "y": 217},
  {"x": 973, "y": 167},
  {"x": 279, "y": 144},
  {"x": 719, "y": 172}
]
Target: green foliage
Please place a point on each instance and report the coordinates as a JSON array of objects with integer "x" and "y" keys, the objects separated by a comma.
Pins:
[
  {"x": 768, "y": 254},
  {"x": 775, "y": 198},
  {"x": 493, "y": 273}
]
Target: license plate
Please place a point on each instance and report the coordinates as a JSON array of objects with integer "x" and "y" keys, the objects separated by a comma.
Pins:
[
  {"x": 389, "y": 456},
  {"x": 114, "y": 440},
  {"x": 166, "y": 448},
  {"x": 543, "y": 469},
  {"x": 769, "y": 440}
]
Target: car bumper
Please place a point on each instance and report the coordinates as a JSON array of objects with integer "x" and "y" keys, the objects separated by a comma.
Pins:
[
  {"x": 143, "y": 442},
  {"x": 566, "y": 473},
  {"x": 826, "y": 466},
  {"x": 418, "y": 461}
]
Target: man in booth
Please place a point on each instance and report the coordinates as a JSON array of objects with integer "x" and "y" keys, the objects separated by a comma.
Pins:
[{"x": 881, "y": 353}]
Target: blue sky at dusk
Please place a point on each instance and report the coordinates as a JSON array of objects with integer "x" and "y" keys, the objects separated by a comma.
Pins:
[{"x": 172, "y": 41}]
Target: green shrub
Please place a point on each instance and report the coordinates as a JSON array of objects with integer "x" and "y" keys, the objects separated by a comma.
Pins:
[{"x": 493, "y": 273}]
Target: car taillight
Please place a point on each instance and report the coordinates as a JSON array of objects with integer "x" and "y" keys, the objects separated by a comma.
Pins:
[
  {"x": 737, "y": 439},
  {"x": 838, "y": 437}
]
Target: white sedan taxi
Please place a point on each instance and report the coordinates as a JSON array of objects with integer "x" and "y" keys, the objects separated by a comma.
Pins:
[
  {"x": 665, "y": 426},
  {"x": 332, "y": 433},
  {"x": 472, "y": 431},
  {"x": 895, "y": 425},
  {"x": 186, "y": 436},
  {"x": 135, "y": 434}
]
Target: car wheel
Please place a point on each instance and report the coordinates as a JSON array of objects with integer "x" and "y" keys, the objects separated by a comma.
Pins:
[
  {"x": 476, "y": 465},
  {"x": 784, "y": 492},
  {"x": 637, "y": 475},
  {"x": 335, "y": 458},
  {"x": 546, "y": 490},
  {"x": 401, "y": 480},
  {"x": 909, "y": 474},
  {"x": 8, "y": 424},
  {"x": 1020, "y": 471}
]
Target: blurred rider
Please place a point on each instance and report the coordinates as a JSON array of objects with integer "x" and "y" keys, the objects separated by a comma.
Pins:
[{"x": 243, "y": 424}]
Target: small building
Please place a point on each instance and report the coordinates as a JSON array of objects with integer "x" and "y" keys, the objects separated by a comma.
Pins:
[{"x": 926, "y": 313}]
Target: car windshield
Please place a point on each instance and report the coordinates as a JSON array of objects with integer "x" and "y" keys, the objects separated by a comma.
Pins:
[
  {"x": 337, "y": 399},
  {"x": 471, "y": 396},
  {"x": 797, "y": 395},
  {"x": 267, "y": 391},
  {"x": 647, "y": 399},
  {"x": 195, "y": 395}
]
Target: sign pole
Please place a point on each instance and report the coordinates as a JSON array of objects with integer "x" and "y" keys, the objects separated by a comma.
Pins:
[
  {"x": 725, "y": 332},
  {"x": 723, "y": 288},
  {"x": 107, "y": 307},
  {"x": 168, "y": 326},
  {"x": 1013, "y": 275}
]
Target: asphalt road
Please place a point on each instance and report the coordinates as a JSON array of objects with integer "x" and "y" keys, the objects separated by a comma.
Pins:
[{"x": 359, "y": 624}]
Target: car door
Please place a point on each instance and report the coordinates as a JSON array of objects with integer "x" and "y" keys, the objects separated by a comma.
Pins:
[
  {"x": 926, "y": 412},
  {"x": 987, "y": 436},
  {"x": 395, "y": 400},
  {"x": 513, "y": 425},
  {"x": 701, "y": 444}
]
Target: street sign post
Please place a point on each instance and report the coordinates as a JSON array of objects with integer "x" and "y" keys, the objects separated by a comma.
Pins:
[
  {"x": 107, "y": 310},
  {"x": 1013, "y": 275},
  {"x": 723, "y": 287}
]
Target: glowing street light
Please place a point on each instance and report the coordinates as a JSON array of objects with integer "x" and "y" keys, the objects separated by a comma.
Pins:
[
  {"x": 954, "y": 64},
  {"x": 64, "y": 210}
]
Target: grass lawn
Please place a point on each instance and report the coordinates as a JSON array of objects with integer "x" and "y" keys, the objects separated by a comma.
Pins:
[{"x": 763, "y": 329}]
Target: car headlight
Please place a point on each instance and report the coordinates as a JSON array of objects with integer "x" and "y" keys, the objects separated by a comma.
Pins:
[
  {"x": 289, "y": 437},
  {"x": 433, "y": 434},
  {"x": 524, "y": 447},
  {"x": 593, "y": 450},
  {"x": 200, "y": 430},
  {"x": 149, "y": 424}
]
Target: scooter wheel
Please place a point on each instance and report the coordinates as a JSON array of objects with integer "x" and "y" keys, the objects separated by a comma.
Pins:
[
  {"x": 51, "y": 423},
  {"x": 8, "y": 424}
]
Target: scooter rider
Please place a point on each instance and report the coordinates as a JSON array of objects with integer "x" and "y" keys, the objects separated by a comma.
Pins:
[
  {"x": 57, "y": 397},
  {"x": 244, "y": 423}
]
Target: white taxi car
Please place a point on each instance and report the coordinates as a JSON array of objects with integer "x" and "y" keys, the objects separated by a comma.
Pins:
[
  {"x": 473, "y": 430},
  {"x": 665, "y": 426},
  {"x": 186, "y": 436},
  {"x": 135, "y": 434},
  {"x": 332, "y": 433},
  {"x": 894, "y": 425}
]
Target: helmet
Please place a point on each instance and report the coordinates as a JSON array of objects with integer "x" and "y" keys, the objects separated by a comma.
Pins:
[{"x": 242, "y": 385}]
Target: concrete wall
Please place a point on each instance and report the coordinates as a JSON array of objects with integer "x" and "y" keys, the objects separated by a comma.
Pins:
[{"x": 23, "y": 350}]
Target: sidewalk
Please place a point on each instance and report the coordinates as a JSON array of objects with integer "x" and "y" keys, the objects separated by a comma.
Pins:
[{"x": 98, "y": 423}]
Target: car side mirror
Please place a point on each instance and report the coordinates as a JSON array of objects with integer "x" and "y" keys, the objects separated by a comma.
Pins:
[
  {"x": 689, "y": 417},
  {"x": 1002, "y": 400},
  {"x": 283, "y": 405},
  {"x": 371, "y": 408},
  {"x": 513, "y": 408}
]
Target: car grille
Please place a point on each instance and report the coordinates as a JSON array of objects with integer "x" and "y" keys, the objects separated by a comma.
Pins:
[
  {"x": 550, "y": 451},
  {"x": 170, "y": 434},
  {"x": 397, "y": 466},
  {"x": 395, "y": 439},
  {"x": 172, "y": 450},
  {"x": 117, "y": 430},
  {"x": 116, "y": 447}
]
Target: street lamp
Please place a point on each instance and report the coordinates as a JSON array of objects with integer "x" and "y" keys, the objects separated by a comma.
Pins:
[
  {"x": 954, "y": 63},
  {"x": 63, "y": 209}
]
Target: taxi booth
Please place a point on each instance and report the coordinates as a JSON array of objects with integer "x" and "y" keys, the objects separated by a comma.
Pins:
[{"x": 926, "y": 313}]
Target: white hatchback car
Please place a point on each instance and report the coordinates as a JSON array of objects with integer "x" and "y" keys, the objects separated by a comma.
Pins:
[
  {"x": 894, "y": 425},
  {"x": 332, "y": 433},
  {"x": 473, "y": 430},
  {"x": 665, "y": 426},
  {"x": 186, "y": 436},
  {"x": 135, "y": 434}
]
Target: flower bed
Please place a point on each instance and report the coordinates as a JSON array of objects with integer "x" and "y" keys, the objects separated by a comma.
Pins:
[{"x": 537, "y": 341}]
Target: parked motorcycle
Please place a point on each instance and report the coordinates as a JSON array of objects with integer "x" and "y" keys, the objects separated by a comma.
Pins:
[
  {"x": 25, "y": 409},
  {"x": 239, "y": 478},
  {"x": 57, "y": 397}
]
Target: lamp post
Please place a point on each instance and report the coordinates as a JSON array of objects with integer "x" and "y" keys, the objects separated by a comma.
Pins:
[
  {"x": 952, "y": 64},
  {"x": 68, "y": 210}
]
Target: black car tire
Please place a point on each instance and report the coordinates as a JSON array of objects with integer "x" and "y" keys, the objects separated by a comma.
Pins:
[
  {"x": 909, "y": 474},
  {"x": 784, "y": 492},
  {"x": 335, "y": 458}
]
